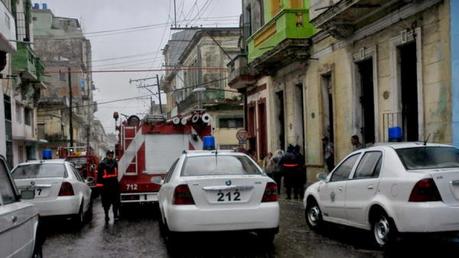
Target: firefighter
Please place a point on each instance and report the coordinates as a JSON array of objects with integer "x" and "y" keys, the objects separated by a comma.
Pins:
[{"x": 108, "y": 176}]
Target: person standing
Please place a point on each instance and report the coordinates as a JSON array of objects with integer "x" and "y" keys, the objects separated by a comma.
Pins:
[
  {"x": 108, "y": 176},
  {"x": 290, "y": 169},
  {"x": 329, "y": 155},
  {"x": 268, "y": 165},
  {"x": 300, "y": 181},
  {"x": 355, "y": 141},
  {"x": 276, "y": 169}
]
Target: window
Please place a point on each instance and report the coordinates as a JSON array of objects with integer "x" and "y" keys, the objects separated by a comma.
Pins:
[
  {"x": 19, "y": 113},
  {"x": 231, "y": 122},
  {"x": 171, "y": 170},
  {"x": 424, "y": 157},
  {"x": 77, "y": 173},
  {"x": 28, "y": 116},
  {"x": 7, "y": 191},
  {"x": 219, "y": 165},
  {"x": 343, "y": 171},
  {"x": 369, "y": 165},
  {"x": 39, "y": 171}
]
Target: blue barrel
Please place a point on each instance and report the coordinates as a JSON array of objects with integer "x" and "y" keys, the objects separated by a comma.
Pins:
[
  {"x": 395, "y": 134},
  {"x": 208, "y": 143},
  {"x": 47, "y": 154}
]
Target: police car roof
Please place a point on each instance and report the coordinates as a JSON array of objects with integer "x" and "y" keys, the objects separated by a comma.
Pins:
[
  {"x": 46, "y": 161},
  {"x": 211, "y": 152}
]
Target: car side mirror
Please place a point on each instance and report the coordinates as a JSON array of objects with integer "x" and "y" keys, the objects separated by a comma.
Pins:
[
  {"x": 322, "y": 176},
  {"x": 157, "y": 180}
]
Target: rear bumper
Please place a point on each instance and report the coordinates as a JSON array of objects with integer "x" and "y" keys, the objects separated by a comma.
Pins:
[
  {"x": 427, "y": 217},
  {"x": 189, "y": 218},
  {"x": 61, "y": 206},
  {"x": 139, "y": 197}
]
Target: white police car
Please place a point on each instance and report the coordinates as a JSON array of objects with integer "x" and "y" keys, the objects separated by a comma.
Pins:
[{"x": 209, "y": 191}]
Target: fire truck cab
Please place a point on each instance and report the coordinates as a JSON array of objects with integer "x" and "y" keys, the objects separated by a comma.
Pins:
[{"x": 147, "y": 149}]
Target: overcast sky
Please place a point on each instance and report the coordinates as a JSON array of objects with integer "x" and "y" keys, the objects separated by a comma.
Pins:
[{"x": 125, "y": 47}]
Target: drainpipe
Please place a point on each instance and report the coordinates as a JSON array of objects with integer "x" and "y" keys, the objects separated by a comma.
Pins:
[{"x": 454, "y": 10}]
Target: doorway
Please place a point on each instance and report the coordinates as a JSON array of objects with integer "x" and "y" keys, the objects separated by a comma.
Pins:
[
  {"x": 327, "y": 107},
  {"x": 366, "y": 99},
  {"x": 280, "y": 116},
  {"x": 409, "y": 91},
  {"x": 299, "y": 116},
  {"x": 262, "y": 136}
]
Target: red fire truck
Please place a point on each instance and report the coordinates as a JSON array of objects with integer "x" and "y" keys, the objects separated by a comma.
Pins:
[
  {"x": 147, "y": 148},
  {"x": 85, "y": 160}
]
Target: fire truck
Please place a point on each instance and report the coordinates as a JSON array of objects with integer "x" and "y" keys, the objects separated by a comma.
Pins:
[
  {"x": 147, "y": 148},
  {"x": 85, "y": 160}
]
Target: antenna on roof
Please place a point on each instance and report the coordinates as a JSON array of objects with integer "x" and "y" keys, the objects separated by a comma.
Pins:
[{"x": 427, "y": 139}]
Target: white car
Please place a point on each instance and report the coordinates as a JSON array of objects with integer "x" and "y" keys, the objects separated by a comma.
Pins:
[
  {"x": 18, "y": 220},
  {"x": 59, "y": 190},
  {"x": 392, "y": 188},
  {"x": 207, "y": 191}
]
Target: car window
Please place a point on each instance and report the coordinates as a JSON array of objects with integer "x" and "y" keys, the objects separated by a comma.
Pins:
[
  {"x": 171, "y": 170},
  {"x": 219, "y": 165},
  {"x": 39, "y": 170},
  {"x": 7, "y": 192},
  {"x": 342, "y": 172},
  {"x": 425, "y": 157},
  {"x": 369, "y": 166},
  {"x": 76, "y": 172}
]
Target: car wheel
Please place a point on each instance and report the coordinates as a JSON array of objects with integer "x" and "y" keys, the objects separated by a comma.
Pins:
[
  {"x": 88, "y": 214},
  {"x": 313, "y": 215},
  {"x": 78, "y": 220},
  {"x": 384, "y": 230}
]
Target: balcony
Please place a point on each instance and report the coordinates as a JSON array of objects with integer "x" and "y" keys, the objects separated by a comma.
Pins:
[
  {"x": 204, "y": 99},
  {"x": 282, "y": 40},
  {"x": 342, "y": 18},
  {"x": 27, "y": 64},
  {"x": 239, "y": 73}
]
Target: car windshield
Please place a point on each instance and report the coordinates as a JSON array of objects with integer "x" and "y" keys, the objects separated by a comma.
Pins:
[
  {"x": 429, "y": 157},
  {"x": 219, "y": 165},
  {"x": 39, "y": 171}
]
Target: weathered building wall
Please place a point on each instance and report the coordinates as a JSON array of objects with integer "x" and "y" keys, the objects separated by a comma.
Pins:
[{"x": 429, "y": 30}]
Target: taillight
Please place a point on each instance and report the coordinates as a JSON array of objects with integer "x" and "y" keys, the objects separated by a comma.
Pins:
[
  {"x": 182, "y": 195},
  {"x": 270, "y": 194},
  {"x": 425, "y": 191},
  {"x": 66, "y": 189}
]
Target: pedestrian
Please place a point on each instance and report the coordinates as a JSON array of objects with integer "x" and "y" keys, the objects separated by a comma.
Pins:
[
  {"x": 276, "y": 169},
  {"x": 108, "y": 176},
  {"x": 329, "y": 155},
  {"x": 355, "y": 141},
  {"x": 290, "y": 169},
  {"x": 300, "y": 181},
  {"x": 267, "y": 164}
]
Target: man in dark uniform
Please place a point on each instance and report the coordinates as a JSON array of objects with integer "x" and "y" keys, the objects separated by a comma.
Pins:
[
  {"x": 108, "y": 176},
  {"x": 291, "y": 169}
]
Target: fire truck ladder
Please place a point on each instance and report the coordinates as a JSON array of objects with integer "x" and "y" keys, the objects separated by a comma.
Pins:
[{"x": 132, "y": 141}]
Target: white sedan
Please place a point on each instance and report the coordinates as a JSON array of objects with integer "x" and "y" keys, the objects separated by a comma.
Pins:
[
  {"x": 405, "y": 187},
  {"x": 58, "y": 189},
  {"x": 206, "y": 191}
]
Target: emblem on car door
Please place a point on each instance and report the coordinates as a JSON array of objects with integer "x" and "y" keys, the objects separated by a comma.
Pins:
[
  {"x": 228, "y": 183},
  {"x": 332, "y": 196}
]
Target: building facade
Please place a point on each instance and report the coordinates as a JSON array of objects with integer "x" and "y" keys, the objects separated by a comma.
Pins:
[
  {"x": 66, "y": 54},
  {"x": 197, "y": 79}
]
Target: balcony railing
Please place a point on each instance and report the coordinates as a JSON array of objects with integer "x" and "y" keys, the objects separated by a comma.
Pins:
[
  {"x": 26, "y": 63},
  {"x": 288, "y": 23},
  {"x": 239, "y": 73}
]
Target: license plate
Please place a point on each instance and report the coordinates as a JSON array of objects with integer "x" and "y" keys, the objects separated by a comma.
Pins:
[
  {"x": 27, "y": 194},
  {"x": 229, "y": 196}
]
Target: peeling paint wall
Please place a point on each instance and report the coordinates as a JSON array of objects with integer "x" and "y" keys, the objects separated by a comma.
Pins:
[{"x": 431, "y": 35}]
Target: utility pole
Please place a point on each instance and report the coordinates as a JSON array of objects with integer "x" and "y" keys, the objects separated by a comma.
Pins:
[
  {"x": 159, "y": 94},
  {"x": 70, "y": 106},
  {"x": 175, "y": 14}
]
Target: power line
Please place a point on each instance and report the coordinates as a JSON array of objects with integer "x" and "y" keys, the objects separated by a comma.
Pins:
[{"x": 187, "y": 68}]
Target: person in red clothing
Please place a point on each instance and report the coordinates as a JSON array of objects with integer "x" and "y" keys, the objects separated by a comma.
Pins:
[{"x": 108, "y": 176}]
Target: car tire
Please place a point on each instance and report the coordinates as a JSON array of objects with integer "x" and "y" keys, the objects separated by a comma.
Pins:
[
  {"x": 88, "y": 214},
  {"x": 383, "y": 230},
  {"x": 78, "y": 220},
  {"x": 313, "y": 216}
]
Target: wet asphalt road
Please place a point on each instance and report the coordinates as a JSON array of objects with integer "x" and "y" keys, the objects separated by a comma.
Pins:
[{"x": 137, "y": 235}]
